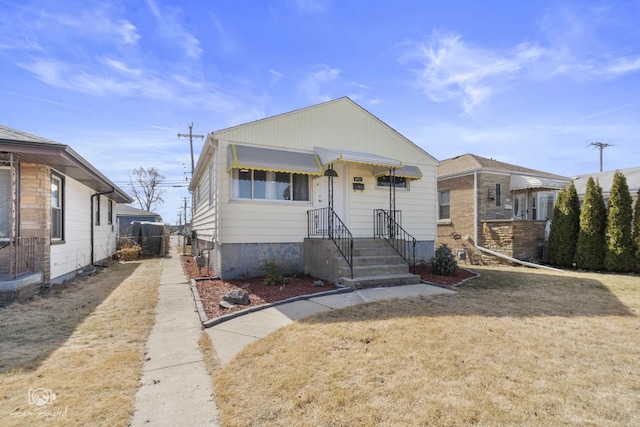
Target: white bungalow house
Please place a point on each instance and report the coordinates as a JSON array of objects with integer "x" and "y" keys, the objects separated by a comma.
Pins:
[
  {"x": 329, "y": 189},
  {"x": 57, "y": 213}
]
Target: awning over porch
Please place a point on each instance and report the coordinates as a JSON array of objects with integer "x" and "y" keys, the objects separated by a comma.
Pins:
[
  {"x": 407, "y": 171},
  {"x": 329, "y": 155},
  {"x": 525, "y": 182},
  {"x": 266, "y": 159}
]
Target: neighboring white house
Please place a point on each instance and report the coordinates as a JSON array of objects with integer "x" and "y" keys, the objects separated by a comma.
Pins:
[
  {"x": 605, "y": 179},
  {"x": 57, "y": 213},
  {"x": 260, "y": 189}
]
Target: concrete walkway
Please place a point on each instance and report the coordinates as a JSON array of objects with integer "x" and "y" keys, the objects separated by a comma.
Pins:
[
  {"x": 176, "y": 388},
  {"x": 231, "y": 336}
]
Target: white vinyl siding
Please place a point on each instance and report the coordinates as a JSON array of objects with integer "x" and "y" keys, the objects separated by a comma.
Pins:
[{"x": 76, "y": 252}]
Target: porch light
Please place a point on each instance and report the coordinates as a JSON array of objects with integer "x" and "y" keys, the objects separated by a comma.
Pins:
[{"x": 331, "y": 172}]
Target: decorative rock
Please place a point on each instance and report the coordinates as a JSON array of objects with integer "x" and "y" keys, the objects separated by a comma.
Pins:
[
  {"x": 237, "y": 297},
  {"x": 318, "y": 283},
  {"x": 226, "y": 304}
]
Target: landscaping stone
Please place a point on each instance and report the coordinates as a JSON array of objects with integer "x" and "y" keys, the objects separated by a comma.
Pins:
[{"x": 237, "y": 297}]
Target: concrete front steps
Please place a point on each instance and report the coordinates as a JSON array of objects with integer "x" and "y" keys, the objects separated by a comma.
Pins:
[{"x": 375, "y": 263}]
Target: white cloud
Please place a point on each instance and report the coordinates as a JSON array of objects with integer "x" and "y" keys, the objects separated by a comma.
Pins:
[
  {"x": 311, "y": 6},
  {"x": 170, "y": 27},
  {"x": 313, "y": 85},
  {"x": 452, "y": 69}
]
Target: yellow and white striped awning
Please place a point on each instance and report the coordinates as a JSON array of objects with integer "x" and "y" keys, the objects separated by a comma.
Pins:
[
  {"x": 267, "y": 159},
  {"x": 329, "y": 155},
  {"x": 407, "y": 171}
]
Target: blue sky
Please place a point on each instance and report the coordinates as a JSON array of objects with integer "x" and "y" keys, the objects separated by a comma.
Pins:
[{"x": 531, "y": 83}]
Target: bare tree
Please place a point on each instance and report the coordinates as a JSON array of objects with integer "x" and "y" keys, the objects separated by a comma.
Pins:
[{"x": 145, "y": 187}]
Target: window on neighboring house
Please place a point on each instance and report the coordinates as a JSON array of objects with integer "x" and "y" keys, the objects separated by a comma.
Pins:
[
  {"x": 545, "y": 201},
  {"x": 5, "y": 202},
  {"x": 498, "y": 194},
  {"x": 110, "y": 212},
  {"x": 385, "y": 181},
  {"x": 444, "y": 204},
  {"x": 268, "y": 185},
  {"x": 97, "y": 208},
  {"x": 57, "y": 207}
]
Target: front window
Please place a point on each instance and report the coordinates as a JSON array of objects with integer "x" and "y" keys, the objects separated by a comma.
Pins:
[
  {"x": 545, "y": 203},
  {"x": 57, "y": 207},
  {"x": 538, "y": 206},
  {"x": 5, "y": 201},
  {"x": 444, "y": 204},
  {"x": 385, "y": 181},
  {"x": 268, "y": 185}
]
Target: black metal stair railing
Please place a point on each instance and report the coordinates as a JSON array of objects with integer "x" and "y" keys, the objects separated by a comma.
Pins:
[
  {"x": 325, "y": 224},
  {"x": 387, "y": 228}
]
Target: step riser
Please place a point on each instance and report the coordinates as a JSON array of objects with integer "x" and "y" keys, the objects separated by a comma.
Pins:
[
  {"x": 380, "y": 281},
  {"x": 374, "y": 270},
  {"x": 377, "y": 260}
]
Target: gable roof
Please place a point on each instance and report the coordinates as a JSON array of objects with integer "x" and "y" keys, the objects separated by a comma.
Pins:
[
  {"x": 337, "y": 124},
  {"x": 35, "y": 149},
  {"x": 127, "y": 210},
  {"x": 605, "y": 179},
  {"x": 469, "y": 163}
]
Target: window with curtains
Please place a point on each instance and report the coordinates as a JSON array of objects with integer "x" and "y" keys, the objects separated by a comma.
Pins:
[
  {"x": 385, "y": 181},
  {"x": 267, "y": 185}
]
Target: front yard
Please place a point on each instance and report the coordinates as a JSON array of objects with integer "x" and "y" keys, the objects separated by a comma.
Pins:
[{"x": 514, "y": 347}]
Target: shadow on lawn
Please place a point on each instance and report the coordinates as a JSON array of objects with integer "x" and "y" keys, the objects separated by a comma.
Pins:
[
  {"x": 31, "y": 331},
  {"x": 500, "y": 294}
]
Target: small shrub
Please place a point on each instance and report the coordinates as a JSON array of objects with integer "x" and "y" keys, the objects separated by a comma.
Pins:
[
  {"x": 444, "y": 262},
  {"x": 272, "y": 278},
  {"x": 128, "y": 251}
]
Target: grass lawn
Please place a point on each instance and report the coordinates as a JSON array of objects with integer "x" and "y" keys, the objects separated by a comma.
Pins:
[
  {"x": 84, "y": 343},
  {"x": 516, "y": 346}
]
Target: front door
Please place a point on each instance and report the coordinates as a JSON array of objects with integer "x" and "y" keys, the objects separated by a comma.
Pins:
[{"x": 322, "y": 192}]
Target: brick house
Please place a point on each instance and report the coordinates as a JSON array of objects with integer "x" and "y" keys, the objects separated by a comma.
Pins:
[
  {"x": 485, "y": 203},
  {"x": 57, "y": 213}
]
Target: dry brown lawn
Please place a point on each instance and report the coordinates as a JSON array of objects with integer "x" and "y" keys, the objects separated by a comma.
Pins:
[
  {"x": 85, "y": 343},
  {"x": 513, "y": 347}
]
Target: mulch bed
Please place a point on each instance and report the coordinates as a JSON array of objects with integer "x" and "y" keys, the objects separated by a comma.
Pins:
[{"x": 211, "y": 290}]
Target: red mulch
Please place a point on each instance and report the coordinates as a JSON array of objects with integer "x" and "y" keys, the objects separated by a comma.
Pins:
[{"x": 211, "y": 291}]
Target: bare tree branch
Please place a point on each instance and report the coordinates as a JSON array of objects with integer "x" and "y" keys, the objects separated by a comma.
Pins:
[{"x": 146, "y": 188}]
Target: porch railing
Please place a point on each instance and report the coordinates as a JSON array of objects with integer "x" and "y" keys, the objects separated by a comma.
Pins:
[
  {"x": 325, "y": 224},
  {"x": 17, "y": 256},
  {"x": 387, "y": 228}
]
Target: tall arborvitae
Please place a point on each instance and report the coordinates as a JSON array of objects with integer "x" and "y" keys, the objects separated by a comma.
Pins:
[
  {"x": 620, "y": 254},
  {"x": 593, "y": 220},
  {"x": 636, "y": 228},
  {"x": 565, "y": 227}
]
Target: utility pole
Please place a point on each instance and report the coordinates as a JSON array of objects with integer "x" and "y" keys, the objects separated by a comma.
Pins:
[
  {"x": 601, "y": 146},
  {"x": 191, "y": 136}
]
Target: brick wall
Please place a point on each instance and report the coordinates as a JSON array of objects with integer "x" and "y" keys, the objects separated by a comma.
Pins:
[
  {"x": 35, "y": 200},
  {"x": 518, "y": 239}
]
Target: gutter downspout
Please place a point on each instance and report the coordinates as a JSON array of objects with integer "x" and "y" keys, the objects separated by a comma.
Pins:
[{"x": 92, "y": 221}]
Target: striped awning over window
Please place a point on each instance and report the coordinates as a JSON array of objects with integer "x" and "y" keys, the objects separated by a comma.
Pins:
[
  {"x": 329, "y": 155},
  {"x": 524, "y": 182},
  {"x": 407, "y": 171},
  {"x": 266, "y": 159}
]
